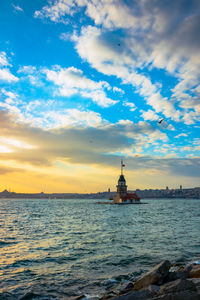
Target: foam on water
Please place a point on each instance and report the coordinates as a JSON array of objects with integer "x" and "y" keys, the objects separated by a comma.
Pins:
[{"x": 60, "y": 249}]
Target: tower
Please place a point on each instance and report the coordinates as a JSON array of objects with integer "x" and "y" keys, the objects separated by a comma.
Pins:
[
  {"x": 121, "y": 187},
  {"x": 123, "y": 197}
]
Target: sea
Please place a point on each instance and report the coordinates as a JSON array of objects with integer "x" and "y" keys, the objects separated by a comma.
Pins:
[{"x": 62, "y": 249}]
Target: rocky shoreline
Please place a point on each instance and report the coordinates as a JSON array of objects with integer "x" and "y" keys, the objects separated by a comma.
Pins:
[{"x": 165, "y": 281}]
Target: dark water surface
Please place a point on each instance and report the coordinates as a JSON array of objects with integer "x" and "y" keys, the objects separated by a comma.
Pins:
[{"x": 58, "y": 249}]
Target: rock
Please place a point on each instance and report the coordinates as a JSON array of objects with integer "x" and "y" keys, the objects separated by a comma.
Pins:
[
  {"x": 183, "y": 272},
  {"x": 135, "y": 295},
  {"x": 178, "y": 272},
  {"x": 109, "y": 296},
  {"x": 195, "y": 271},
  {"x": 170, "y": 277},
  {"x": 178, "y": 285},
  {"x": 155, "y": 275},
  {"x": 184, "y": 295},
  {"x": 127, "y": 288},
  {"x": 178, "y": 264},
  {"x": 180, "y": 289},
  {"x": 153, "y": 289},
  {"x": 196, "y": 281}
]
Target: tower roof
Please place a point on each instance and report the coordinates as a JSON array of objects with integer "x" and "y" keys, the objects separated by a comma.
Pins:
[{"x": 121, "y": 178}]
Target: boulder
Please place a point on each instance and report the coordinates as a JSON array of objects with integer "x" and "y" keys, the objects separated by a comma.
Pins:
[
  {"x": 153, "y": 289},
  {"x": 135, "y": 295},
  {"x": 181, "y": 272},
  {"x": 180, "y": 289},
  {"x": 195, "y": 271},
  {"x": 170, "y": 277},
  {"x": 128, "y": 287},
  {"x": 154, "y": 276},
  {"x": 178, "y": 285},
  {"x": 178, "y": 272},
  {"x": 196, "y": 281},
  {"x": 184, "y": 295}
]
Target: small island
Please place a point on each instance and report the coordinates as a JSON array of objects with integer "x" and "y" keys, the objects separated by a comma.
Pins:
[{"x": 123, "y": 197}]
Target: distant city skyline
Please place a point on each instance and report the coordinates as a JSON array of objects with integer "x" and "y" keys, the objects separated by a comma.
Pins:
[
  {"x": 187, "y": 193},
  {"x": 86, "y": 83}
]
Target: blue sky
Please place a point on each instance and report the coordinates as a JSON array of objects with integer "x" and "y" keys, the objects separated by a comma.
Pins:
[{"x": 84, "y": 83}]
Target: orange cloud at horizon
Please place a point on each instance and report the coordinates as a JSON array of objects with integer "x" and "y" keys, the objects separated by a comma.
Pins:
[
  {"x": 80, "y": 179},
  {"x": 64, "y": 159}
]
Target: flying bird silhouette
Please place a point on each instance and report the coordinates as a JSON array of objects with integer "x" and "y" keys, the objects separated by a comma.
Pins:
[{"x": 160, "y": 121}]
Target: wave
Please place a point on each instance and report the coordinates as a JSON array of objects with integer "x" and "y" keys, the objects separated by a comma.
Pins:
[{"x": 7, "y": 243}]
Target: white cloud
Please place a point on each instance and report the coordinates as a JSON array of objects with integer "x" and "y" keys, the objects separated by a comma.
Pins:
[
  {"x": 170, "y": 127},
  {"x": 72, "y": 81},
  {"x": 6, "y": 75},
  {"x": 73, "y": 117},
  {"x": 150, "y": 115},
  {"x": 130, "y": 104},
  {"x": 189, "y": 118},
  {"x": 99, "y": 97},
  {"x": 65, "y": 36},
  {"x": 164, "y": 106},
  {"x": 71, "y": 78},
  {"x": 152, "y": 37},
  {"x": 57, "y": 11},
  {"x": 42, "y": 113},
  {"x": 113, "y": 13},
  {"x": 10, "y": 107},
  {"x": 101, "y": 52},
  {"x": 181, "y": 134},
  {"x": 192, "y": 148},
  {"x": 3, "y": 59},
  {"x": 27, "y": 70},
  {"x": 118, "y": 90},
  {"x": 125, "y": 122},
  {"x": 31, "y": 73},
  {"x": 9, "y": 94},
  {"x": 17, "y": 7},
  {"x": 15, "y": 143},
  {"x": 91, "y": 46}
]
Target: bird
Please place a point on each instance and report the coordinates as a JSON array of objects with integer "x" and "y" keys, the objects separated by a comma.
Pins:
[{"x": 160, "y": 121}]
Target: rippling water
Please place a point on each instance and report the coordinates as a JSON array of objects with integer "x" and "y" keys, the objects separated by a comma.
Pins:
[{"x": 58, "y": 249}]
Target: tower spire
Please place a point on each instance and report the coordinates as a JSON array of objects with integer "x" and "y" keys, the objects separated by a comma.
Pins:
[{"x": 122, "y": 165}]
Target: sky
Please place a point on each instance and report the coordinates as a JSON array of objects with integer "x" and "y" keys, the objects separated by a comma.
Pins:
[{"x": 84, "y": 83}]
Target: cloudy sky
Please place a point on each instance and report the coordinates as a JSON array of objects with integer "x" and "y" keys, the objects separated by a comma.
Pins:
[{"x": 84, "y": 83}]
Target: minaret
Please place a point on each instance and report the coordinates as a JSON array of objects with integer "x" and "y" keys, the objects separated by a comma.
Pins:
[{"x": 121, "y": 187}]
